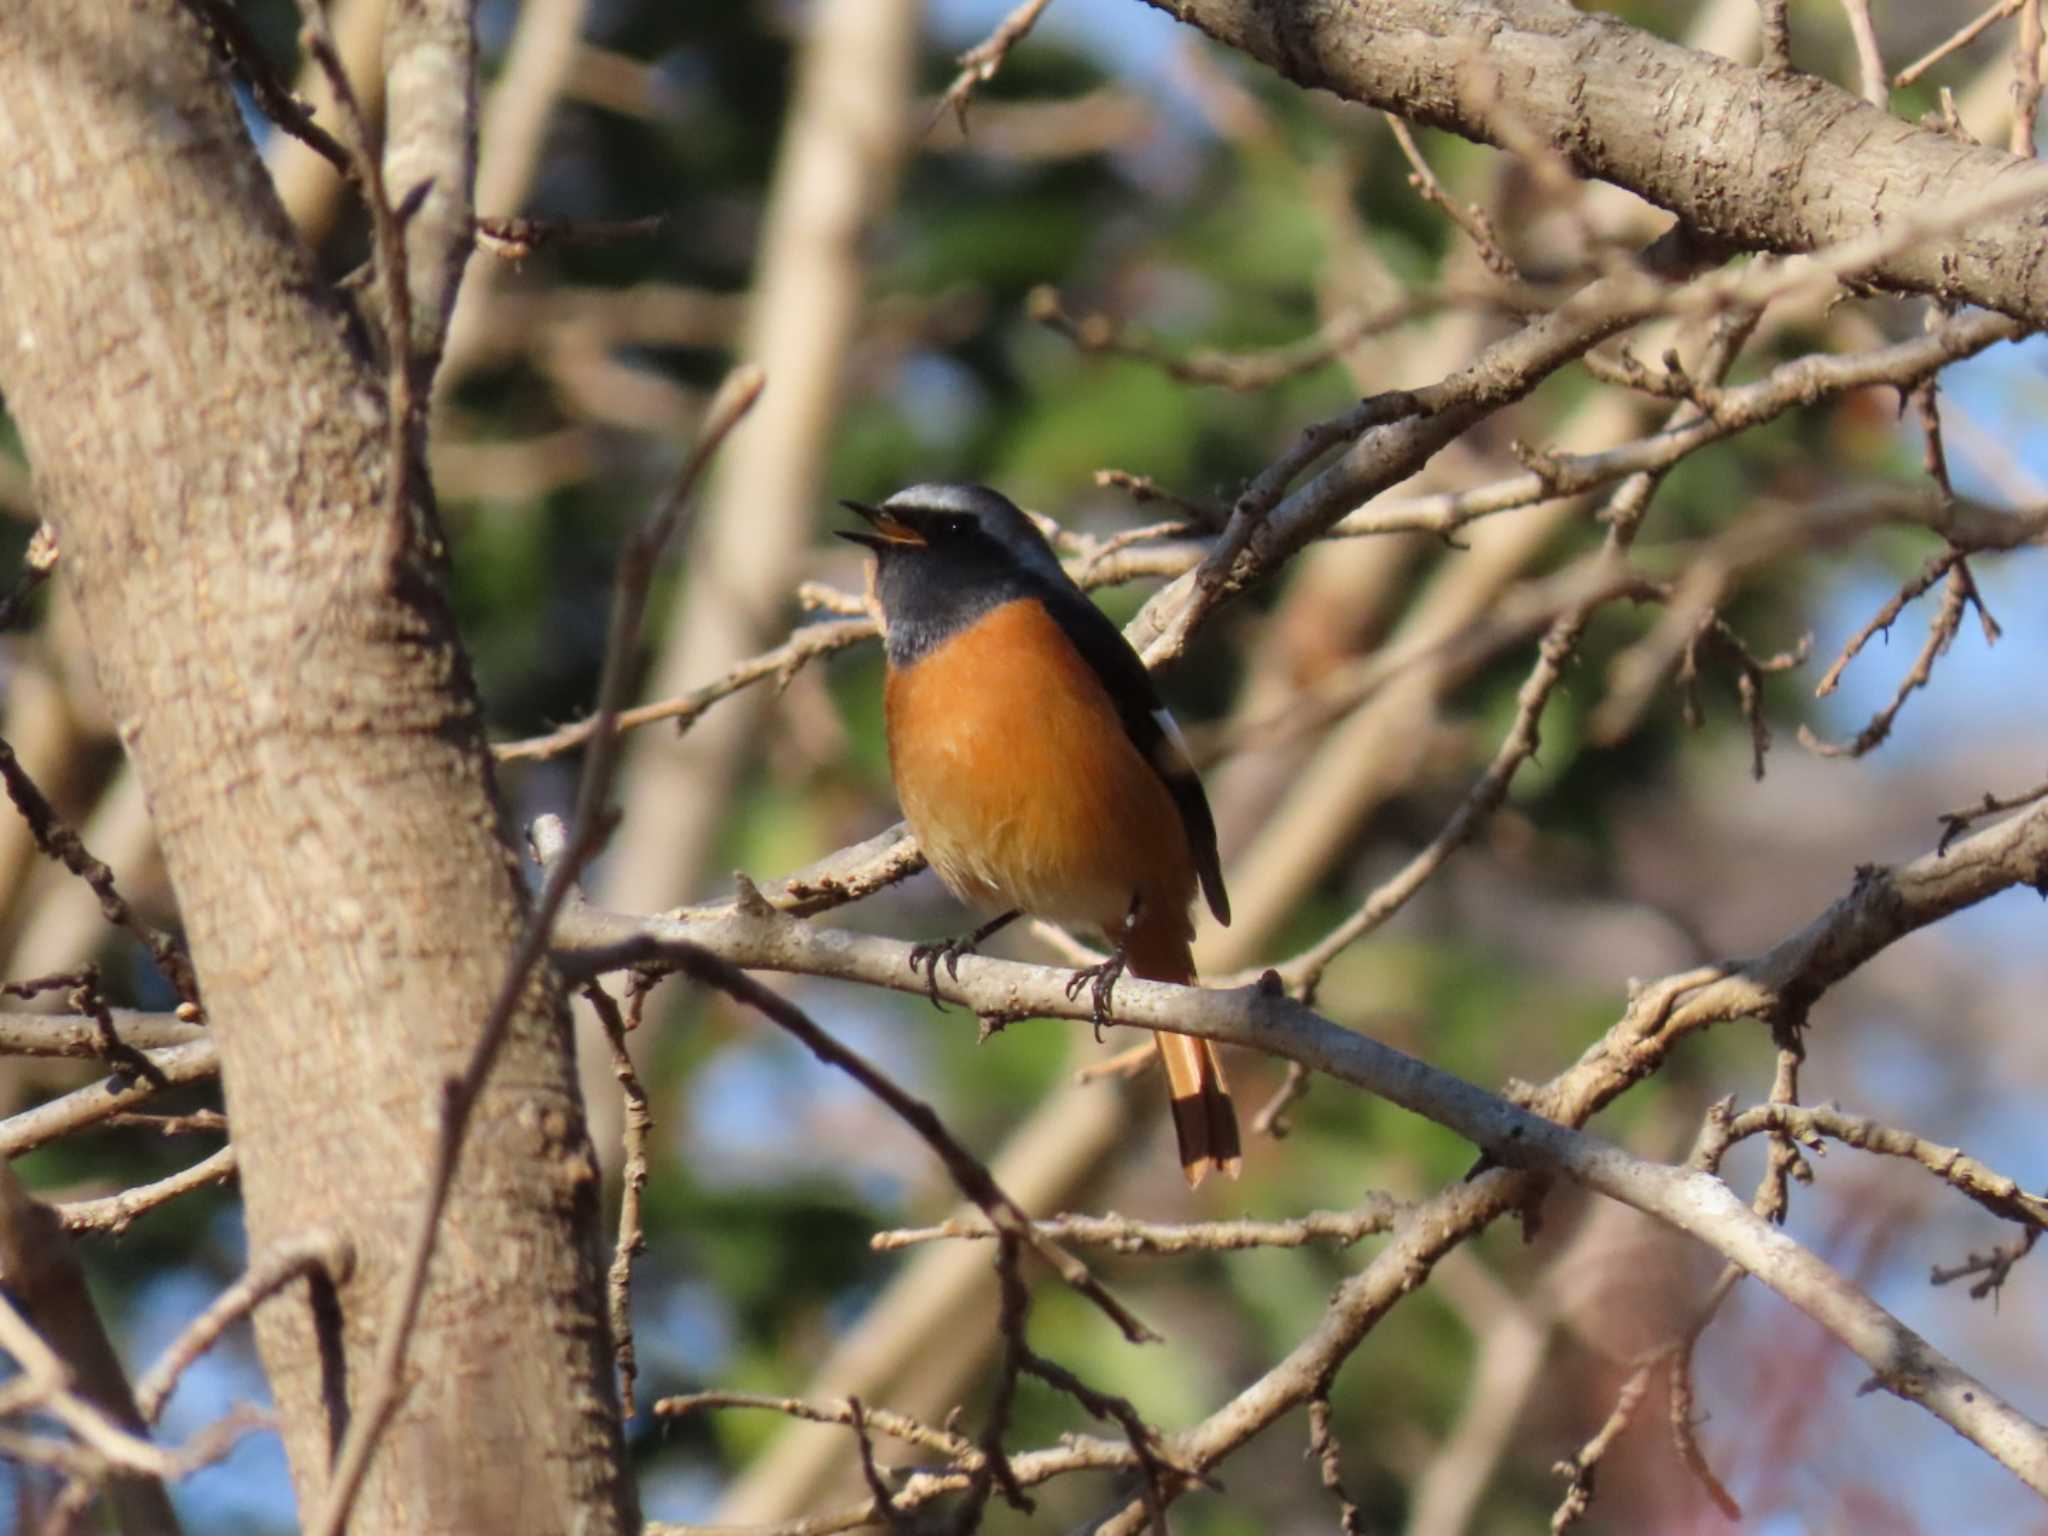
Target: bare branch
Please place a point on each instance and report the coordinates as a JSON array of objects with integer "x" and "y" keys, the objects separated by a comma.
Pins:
[
  {"x": 1578, "y": 1471},
  {"x": 1555, "y": 652},
  {"x": 59, "y": 842},
  {"x": 978, "y": 65},
  {"x": 237, "y": 48},
  {"x": 974, "y": 1181},
  {"x": 1780, "y": 986},
  {"x": 1948, "y": 619},
  {"x": 32, "y": 1128},
  {"x": 1777, "y": 55},
  {"x": 1244, "y": 372},
  {"x": 1470, "y": 217},
  {"x": 1802, "y": 381},
  {"x": 430, "y": 163},
  {"x": 1596, "y": 89},
  {"x": 1996, "y": 1193},
  {"x": 46, "y": 1034},
  {"x": 1876, "y": 83},
  {"x": 1961, "y": 38},
  {"x": 632, "y": 1240},
  {"x": 1122, "y": 1234},
  {"x": 1995, "y": 1266},
  {"x": 781, "y": 664},
  {"x": 956, "y": 1448},
  {"x": 1322, "y": 1445},
  {"x": 312, "y": 1253},
  {"x": 2026, "y": 79},
  {"x": 114, "y": 1214},
  {"x": 1955, "y": 823},
  {"x": 1390, "y": 436}
]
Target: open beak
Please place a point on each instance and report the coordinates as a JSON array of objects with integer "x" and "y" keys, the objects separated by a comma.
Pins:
[{"x": 890, "y": 530}]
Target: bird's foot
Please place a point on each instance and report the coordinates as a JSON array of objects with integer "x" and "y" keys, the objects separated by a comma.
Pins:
[
  {"x": 929, "y": 957},
  {"x": 1104, "y": 977}
]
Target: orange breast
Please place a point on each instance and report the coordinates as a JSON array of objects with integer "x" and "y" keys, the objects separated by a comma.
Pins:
[{"x": 1021, "y": 784}]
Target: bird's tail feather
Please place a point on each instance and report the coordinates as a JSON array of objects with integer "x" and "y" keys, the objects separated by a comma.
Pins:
[{"x": 1204, "y": 1119}]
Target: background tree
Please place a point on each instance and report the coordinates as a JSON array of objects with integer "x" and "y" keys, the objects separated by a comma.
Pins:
[{"x": 1490, "y": 524}]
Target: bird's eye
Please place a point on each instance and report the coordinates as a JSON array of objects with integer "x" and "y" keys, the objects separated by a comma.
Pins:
[{"x": 954, "y": 526}]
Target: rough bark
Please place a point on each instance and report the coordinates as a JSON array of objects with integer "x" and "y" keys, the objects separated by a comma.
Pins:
[
  {"x": 1771, "y": 162},
  {"x": 211, "y": 447}
]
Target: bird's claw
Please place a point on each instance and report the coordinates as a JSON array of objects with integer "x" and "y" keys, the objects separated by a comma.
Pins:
[
  {"x": 1104, "y": 977},
  {"x": 929, "y": 957},
  {"x": 926, "y": 957}
]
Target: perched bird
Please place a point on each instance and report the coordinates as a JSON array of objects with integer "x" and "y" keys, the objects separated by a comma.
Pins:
[{"x": 1038, "y": 768}]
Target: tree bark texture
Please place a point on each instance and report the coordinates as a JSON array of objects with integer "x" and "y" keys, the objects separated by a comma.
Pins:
[
  {"x": 1771, "y": 162},
  {"x": 210, "y": 443}
]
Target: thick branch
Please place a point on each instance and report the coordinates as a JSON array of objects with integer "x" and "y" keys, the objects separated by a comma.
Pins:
[
  {"x": 1772, "y": 162},
  {"x": 1883, "y": 906},
  {"x": 430, "y": 156}
]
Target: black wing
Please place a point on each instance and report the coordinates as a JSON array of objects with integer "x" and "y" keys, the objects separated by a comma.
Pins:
[{"x": 1145, "y": 719}]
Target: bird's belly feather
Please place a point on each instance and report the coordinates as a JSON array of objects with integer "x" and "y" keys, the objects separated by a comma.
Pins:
[{"x": 1023, "y": 786}]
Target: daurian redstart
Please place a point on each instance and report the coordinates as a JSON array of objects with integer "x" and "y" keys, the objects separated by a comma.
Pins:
[{"x": 1038, "y": 767}]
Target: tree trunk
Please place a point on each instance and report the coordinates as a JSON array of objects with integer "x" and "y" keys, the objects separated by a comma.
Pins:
[{"x": 210, "y": 444}]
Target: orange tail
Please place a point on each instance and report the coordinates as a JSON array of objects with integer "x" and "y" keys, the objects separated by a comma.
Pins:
[{"x": 1204, "y": 1120}]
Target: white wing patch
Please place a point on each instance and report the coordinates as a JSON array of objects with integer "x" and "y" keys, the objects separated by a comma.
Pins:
[{"x": 1173, "y": 756}]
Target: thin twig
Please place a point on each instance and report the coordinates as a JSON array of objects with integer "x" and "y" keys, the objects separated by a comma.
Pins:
[
  {"x": 1554, "y": 655},
  {"x": 201, "y": 1122},
  {"x": 59, "y": 842},
  {"x": 1881, "y": 622},
  {"x": 1875, "y": 83},
  {"x": 780, "y": 664},
  {"x": 1126, "y": 1235},
  {"x": 1955, "y": 823},
  {"x": 114, "y": 1214},
  {"x": 885, "y": 1504},
  {"x": 1961, "y": 38},
  {"x": 1750, "y": 672},
  {"x": 1242, "y": 372},
  {"x": 1329, "y": 1459},
  {"x": 1580, "y": 1468},
  {"x": 1802, "y": 381},
  {"x": 45, "y": 1386},
  {"x": 306, "y": 1254},
  {"x": 84, "y": 999},
  {"x": 1994, "y": 1265},
  {"x": 35, "y": 570},
  {"x": 1941, "y": 632},
  {"x": 1274, "y": 1117},
  {"x": 516, "y": 238},
  {"x": 1143, "y": 488},
  {"x": 632, "y": 1238},
  {"x": 2026, "y": 79},
  {"x": 901, "y": 1426},
  {"x": 110, "y": 1096},
  {"x": 1469, "y": 217},
  {"x": 1777, "y": 55},
  {"x": 1793, "y": 1123},
  {"x": 978, "y": 65},
  {"x": 236, "y": 47},
  {"x": 56, "y": 1034}
]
